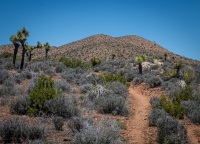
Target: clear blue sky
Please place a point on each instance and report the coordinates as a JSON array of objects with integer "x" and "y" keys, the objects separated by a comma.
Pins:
[{"x": 174, "y": 24}]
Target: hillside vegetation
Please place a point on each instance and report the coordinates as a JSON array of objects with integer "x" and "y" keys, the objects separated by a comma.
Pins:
[{"x": 78, "y": 93}]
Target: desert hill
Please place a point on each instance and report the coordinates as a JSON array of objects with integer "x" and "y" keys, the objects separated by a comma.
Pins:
[{"x": 103, "y": 46}]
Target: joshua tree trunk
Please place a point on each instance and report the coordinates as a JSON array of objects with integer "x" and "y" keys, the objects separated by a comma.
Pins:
[
  {"x": 165, "y": 58},
  {"x": 15, "y": 53},
  {"x": 30, "y": 56},
  {"x": 140, "y": 68},
  {"x": 23, "y": 54},
  {"x": 46, "y": 54}
]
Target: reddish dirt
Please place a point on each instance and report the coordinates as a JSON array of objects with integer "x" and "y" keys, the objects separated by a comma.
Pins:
[
  {"x": 193, "y": 131},
  {"x": 138, "y": 131}
]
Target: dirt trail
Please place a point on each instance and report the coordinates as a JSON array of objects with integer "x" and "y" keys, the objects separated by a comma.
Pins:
[
  {"x": 138, "y": 131},
  {"x": 193, "y": 131}
]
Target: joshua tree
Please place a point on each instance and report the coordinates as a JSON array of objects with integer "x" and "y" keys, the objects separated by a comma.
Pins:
[
  {"x": 165, "y": 54},
  {"x": 39, "y": 45},
  {"x": 47, "y": 48},
  {"x": 22, "y": 35},
  {"x": 139, "y": 60},
  {"x": 29, "y": 50},
  {"x": 14, "y": 39},
  {"x": 177, "y": 66}
]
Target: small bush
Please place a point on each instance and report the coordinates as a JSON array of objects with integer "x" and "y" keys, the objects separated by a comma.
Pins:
[
  {"x": 113, "y": 104},
  {"x": 168, "y": 74},
  {"x": 106, "y": 132},
  {"x": 61, "y": 106},
  {"x": 114, "y": 78},
  {"x": 6, "y": 55},
  {"x": 118, "y": 88},
  {"x": 155, "y": 115},
  {"x": 3, "y": 75},
  {"x": 43, "y": 92},
  {"x": 65, "y": 87},
  {"x": 73, "y": 63},
  {"x": 13, "y": 131},
  {"x": 192, "y": 109},
  {"x": 154, "y": 81},
  {"x": 155, "y": 102},
  {"x": 138, "y": 80},
  {"x": 58, "y": 123},
  {"x": 168, "y": 126},
  {"x": 85, "y": 88},
  {"x": 19, "y": 106},
  {"x": 188, "y": 76},
  {"x": 173, "y": 109},
  {"x": 95, "y": 61},
  {"x": 36, "y": 132},
  {"x": 60, "y": 67},
  {"x": 76, "y": 124},
  {"x": 183, "y": 95}
]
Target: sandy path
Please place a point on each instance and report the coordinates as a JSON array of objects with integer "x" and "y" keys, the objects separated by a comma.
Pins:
[{"x": 138, "y": 131}]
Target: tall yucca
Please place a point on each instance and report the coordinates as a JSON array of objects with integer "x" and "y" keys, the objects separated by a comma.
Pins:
[
  {"x": 47, "y": 48},
  {"x": 139, "y": 60},
  {"x": 15, "y": 40}
]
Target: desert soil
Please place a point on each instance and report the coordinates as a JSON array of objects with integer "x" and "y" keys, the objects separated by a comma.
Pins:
[{"x": 138, "y": 131}]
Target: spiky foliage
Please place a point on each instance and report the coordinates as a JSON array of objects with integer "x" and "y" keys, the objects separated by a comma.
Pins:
[
  {"x": 139, "y": 60},
  {"x": 22, "y": 35},
  {"x": 165, "y": 54},
  {"x": 47, "y": 48},
  {"x": 39, "y": 45},
  {"x": 14, "y": 39}
]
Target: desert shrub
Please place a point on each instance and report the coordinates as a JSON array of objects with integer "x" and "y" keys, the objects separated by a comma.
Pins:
[
  {"x": 129, "y": 76},
  {"x": 60, "y": 67},
  {"x": 61, "y": 106},
  {"x": 154, "y": 81},
  {"x": 192, "y": 109},
  {"x": 106, "y": 132},
  {"x": 64, "y": 86},
  {"x": 96, "y": 92},
  {"x": 117, "y": 88},
  {"x": 138, "y": 80},
  {"x": 168, "y": 74},
  {"x": 3, "y": 75},
  {"x": 86, "y": 87},
  {"x": 155, "y": 102},
  {"x": 183, "y": 95},
  {"x": 13, "y": 131},
  {"x": 76, "y": 124},
  {"x": 32, "y": 83},
  {"x": 49, "y": 72},
  {"x": 73, "y": 63},
  {"x": 43, "y": 91},
  {"x": 114, "y": 78},
  {"x": 27, "y": 74},
  {"x": 168, "y": 126},
  {"x": 188, "y": 76},
  {"x": 90, "y": 79},
  {"x": 173, "y": 109},
  {"x": 9, "y": 65},
  {"x": 6, "y": 55},
  {"x": 111, "y": 104},
  {"x": 19, "y": 78},
  {"x": 19, "y": 106},
  {"x": 58, "y": 122},
  {"x": 73, "y": 75},
  {"x": 154, "y": 67},
  {"x": 36, "y": 132},
  {"x": 155, "y": 115},
  {"x": 171, "y": 86},
  {"x": 95, "y": 61},
  {"x": 8, "y": 87}
]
